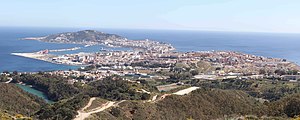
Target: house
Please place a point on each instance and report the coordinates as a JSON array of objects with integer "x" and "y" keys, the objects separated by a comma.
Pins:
[{"x": 290, "y": 77}]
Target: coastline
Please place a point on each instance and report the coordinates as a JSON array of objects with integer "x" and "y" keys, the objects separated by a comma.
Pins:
[
  {"x": 77, "y": 59},
  {"x": 30, "y": 55},
  {"x": 37, "y": 56},
  {"x": 65, "y": 49},
  {"x": 43, "y": 57}
]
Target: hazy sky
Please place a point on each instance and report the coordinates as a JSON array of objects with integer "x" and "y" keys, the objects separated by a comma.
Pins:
[{"x": 220, "y": 15}]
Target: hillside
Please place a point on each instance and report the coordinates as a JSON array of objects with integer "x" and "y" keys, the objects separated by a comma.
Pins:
[
  {"x": 287, "y": 106},
  {"x": 5, "y": 116},
  {"x": 200, "y": 104},
  {"x": 80, "y": 37},
  {"x": 92, "y": 37},
  {"x": 15, "y": 101}
]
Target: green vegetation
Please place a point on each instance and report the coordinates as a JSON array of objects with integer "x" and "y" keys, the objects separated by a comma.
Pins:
[
  {"x": 287, "y": 106},
  {"x": 266, "y": 89},
  {"x": 64, "y": 109},
  {"x": 55, "y": 87},
  {"x": 16, "y": 101},
  {"x": 217, "y": 99},
  {"x": 96, "y": 103},
  {"x": 204, "y": 104},
  {"x": 3, "y": 78},
  {"x": 114, "y": 88},
  {"x": 149, "y": 64},
  {"x": 200, "y": 104},
  {"x": 180, "y": 72},
  {"x": 5, "y": 116},
  {"x": 185, "y": 71},
  {"x": 71, "y": 97}
]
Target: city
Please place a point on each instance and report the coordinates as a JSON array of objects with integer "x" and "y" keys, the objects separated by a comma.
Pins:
[{"x": 149, "y": 60}]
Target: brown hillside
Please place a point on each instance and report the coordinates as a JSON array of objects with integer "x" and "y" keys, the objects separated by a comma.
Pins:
[
  {"x": 201, "y": 104},
  {"x": 15, "y": 100}
]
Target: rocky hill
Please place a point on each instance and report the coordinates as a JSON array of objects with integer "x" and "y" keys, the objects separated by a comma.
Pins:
[
  {"x": 92, "y": 37},
  {"x": 84, "y": 37}
]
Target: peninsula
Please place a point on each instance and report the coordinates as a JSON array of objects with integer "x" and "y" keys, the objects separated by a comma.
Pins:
[
  {"x": 92, "y": 37},
  {"x": 154, "y": 78},
  {"x": 151, "y": 53}
]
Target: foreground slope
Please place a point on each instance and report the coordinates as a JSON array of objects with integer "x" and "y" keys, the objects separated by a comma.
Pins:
[
  {"x": 200, "y": 104},
  {"x": 16, "y": 101}
]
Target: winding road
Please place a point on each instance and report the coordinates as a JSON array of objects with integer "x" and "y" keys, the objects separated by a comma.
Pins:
[{"x": 83, "y": 115}]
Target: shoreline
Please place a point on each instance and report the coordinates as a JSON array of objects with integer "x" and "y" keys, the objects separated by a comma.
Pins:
[
  {"x": 36, "y": 56},
  {"x": 43, "y": 57},
  {"x": 29, "y": 55},
  {"x": 125, "y": 43}
]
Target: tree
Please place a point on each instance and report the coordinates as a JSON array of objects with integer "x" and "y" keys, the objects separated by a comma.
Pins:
[
  {"x": 218, "y": 68},
  {"x": 280, "y": 72},
  {"x": 292, "y": 108},
  {"x": 262, "y": 71},
  {"x": 145, "y": 96},
  {"x": 114, "y": 88},
  {"x": 194, "y": 72},
  {"x": 115, "y": 111},
  {"x": 293, "y": 72}
]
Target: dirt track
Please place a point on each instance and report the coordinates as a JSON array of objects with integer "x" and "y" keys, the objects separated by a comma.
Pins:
[
  {"x": 83, "y": 115},
  {"x": 185, "y": 91}
]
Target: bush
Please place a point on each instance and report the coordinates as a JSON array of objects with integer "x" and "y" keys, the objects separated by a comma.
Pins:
[
  {"x": 292, "y": 108},
  {"x": 114, "y": 88}
]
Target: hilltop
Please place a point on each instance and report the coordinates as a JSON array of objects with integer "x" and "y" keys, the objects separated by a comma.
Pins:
[
  {"x": 114, "y": 98},
  {"x": 92, "y": 37},
  {"x": 201, "y": 104},
  {"x": 84, "y": 37}
]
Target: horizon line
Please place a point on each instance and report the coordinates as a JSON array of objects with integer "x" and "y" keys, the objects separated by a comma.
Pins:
[{"x": 194, "y": 30}]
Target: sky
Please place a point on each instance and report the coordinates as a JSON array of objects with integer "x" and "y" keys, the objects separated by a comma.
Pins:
[{"x": 211, "y": 15}]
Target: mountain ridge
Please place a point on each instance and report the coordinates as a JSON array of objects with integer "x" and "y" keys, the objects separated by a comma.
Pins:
[
  {"x": 93, "y": 37},
  {"x": 82, "y": 37}
]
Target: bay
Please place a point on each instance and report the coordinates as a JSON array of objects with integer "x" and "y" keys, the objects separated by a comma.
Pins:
[
  {"x": 278, "y": 45},
  {"x": 34, "y": 92}
]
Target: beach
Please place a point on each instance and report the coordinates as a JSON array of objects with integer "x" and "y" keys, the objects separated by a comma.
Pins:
[{"x": 38, "y": 56}]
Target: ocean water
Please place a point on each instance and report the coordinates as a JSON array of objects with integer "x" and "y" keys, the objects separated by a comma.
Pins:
[
  {"x": 278, "y": 45},
  {"x": 34, "y": 92},
  {"x": 10, "y": 43},
  {"x": 264, "y": 44}
]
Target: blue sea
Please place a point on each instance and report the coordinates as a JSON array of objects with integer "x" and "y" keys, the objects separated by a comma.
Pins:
[{"x": 277, "y": 45}]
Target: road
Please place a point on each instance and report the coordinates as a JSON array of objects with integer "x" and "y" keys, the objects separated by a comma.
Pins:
[
  {"x": 10, "y": 79},
  {"x": 83, "y": 115},
  {"x": 186, "y": 91},
  {"x": 89, "y": 104}
]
